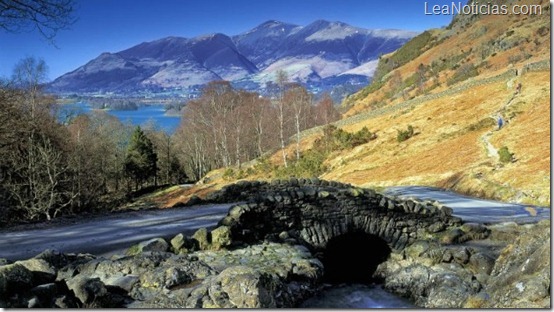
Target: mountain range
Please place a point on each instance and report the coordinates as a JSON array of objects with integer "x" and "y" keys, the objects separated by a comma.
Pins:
[{"x": 322, "y": 55}]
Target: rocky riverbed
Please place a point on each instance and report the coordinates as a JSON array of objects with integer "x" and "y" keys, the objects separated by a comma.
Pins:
[
  {"x": 499, "y": 271},
  {"x": 162, "y": 274},
  {"x": 508, "y": 269}
]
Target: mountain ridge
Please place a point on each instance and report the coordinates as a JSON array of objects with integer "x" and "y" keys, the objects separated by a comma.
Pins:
[{"x": 309, "y": 54}]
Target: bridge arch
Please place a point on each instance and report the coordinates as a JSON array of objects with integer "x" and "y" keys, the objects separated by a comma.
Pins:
[{"x": 353, "y": 257}]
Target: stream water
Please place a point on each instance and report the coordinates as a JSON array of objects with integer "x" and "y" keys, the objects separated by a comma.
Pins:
[{"x": 355, "y": 296}]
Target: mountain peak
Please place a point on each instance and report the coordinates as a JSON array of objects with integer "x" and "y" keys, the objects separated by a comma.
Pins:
[
  {"x": 270, "y": 23},
  {"x": 270, "y": 26},
  {"x": 209, "y": 37},
  {"x": 322, "y": 30},
  {"x": 325, "y": 23}
]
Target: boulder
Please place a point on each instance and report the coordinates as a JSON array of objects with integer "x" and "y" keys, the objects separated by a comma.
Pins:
[
  {"x": 54, "y": 258},
  {"x": 34, "y": 302},
  {"x": 416, "y": 249},
  {"x": 410, "y": 282},
  {"x": 14, "y": 279},
  {"x": 42, "y": 271},
  {"x": 481, "y": 263},
  {"x": 307, "y": 269},
  {"x": 247, "y": 288},
  {"x": 521, "y": 277},
  {"x": 461, "y": 255},
  {"x": 445, "y": 285},
  {"x": 221, "y": 237},
  {"x": 125, "y": 282},
  {"x": 447, "y": 290},
  {"x": 202, "y": 236},
  {"x": 452, "y": 237},
  {"x": 181, "y": 244},
  {"x": 154, "y": 244},
  {"x": 45, "y": 291},
  {"x": 66, "y": 302},
  {"x": 86, "y": 289}
]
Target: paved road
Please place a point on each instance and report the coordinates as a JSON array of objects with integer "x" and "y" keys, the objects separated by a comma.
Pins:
[
  {"x": 108, "y": 234},
  {"x": 473, "y": 209}
]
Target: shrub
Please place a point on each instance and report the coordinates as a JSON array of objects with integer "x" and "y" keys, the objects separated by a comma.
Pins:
[
  {"x": 229, "y": 174},
  {"x": 486, "y": 122},
  {"x": 403, "y": 135},
  {"x": 337, "y": 139},
  {"x": 263, "y": 165},
  {"x": 505, "y": 155},
  {"x": 361, "y": 137},
  {"x": 309, "y": 165}
]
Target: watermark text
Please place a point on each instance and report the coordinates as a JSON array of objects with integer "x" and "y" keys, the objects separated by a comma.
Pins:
[{"x": 488, "y": 8}]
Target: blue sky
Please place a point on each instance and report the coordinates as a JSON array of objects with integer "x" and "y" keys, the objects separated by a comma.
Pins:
[{"x": 115, "y": 25}]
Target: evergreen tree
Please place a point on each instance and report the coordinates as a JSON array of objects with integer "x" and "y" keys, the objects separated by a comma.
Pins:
[{"x": 140, "y": 162}]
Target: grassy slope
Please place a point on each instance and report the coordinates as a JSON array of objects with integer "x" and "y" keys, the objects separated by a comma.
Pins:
[
  {"x": 449, "y": 148},
  {"x": 446, "y": 153}
]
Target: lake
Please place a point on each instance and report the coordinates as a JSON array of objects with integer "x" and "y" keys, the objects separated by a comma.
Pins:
[{"x": 137, "y": 117}]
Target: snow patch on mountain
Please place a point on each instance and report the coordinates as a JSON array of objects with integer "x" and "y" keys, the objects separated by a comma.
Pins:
[
  {"x": 367, "y": 69},
  {"x": 393, "y": 33},
  {"x": 181, "y": 75},
  {"x": 335, "y": 31},
  {"x": 299, "y": 67}
]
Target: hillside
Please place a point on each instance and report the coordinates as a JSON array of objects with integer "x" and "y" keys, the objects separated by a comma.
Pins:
[
  {"x": 450, "y": 85},
  {"x": 455, "y": 144}
]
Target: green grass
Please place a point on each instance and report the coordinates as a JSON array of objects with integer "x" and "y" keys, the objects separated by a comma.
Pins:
[{"x": 505, "y": 155}]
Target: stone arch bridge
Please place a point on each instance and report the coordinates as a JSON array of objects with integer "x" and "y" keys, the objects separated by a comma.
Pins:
[
  {"x": 315, "y": 211},
  {"x": 339, "y": 223}
]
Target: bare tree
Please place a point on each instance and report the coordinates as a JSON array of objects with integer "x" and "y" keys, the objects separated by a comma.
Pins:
[
  {"x": 261, "y": 117},
  {"x": 46, "y": 16},
  {"x": 37, "y": 183},
  {"x": 299, "y": 100},
  {"x": 281, "y": 82},
  {"x": 29, "y": 74},
  {"x": 197, "y": 139},
  {"x": 39, "y": 170},
  {"x": 324, "y": 111}
]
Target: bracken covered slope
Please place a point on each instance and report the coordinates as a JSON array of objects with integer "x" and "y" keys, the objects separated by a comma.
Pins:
[{"x": 466, "y": 75}]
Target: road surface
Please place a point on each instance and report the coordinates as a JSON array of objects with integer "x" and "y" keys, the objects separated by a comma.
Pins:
[
  {"x": 108, "y": 234},
  {"x": 472, "y": 209}
]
